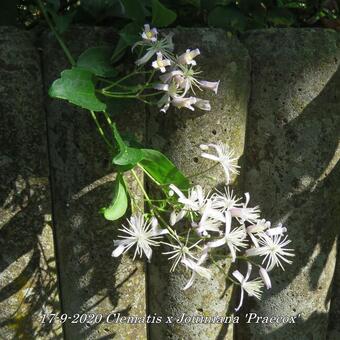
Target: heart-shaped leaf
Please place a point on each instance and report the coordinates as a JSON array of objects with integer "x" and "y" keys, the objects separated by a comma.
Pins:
[
  {"x": 77, "y": 86},
  {"x": 162, "y": 16}
]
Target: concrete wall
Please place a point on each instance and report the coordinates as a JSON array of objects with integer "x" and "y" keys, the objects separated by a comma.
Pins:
[{"x": 278, "y": 103}]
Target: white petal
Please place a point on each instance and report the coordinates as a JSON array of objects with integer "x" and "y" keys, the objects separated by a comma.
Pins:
[
  {"x": 265, "y": 278},
  {"x": 161, "y": 87},
  {"x": 238, "y": 276},
  {"x": 276, "y": 231},
  {"x": 118, "y": 251}
]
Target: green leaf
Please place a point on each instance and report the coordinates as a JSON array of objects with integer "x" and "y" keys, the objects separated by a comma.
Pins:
[
  {"x": 129, "y": 34},
  {"x": 126, "y": 155},
  {"x": 134, "y": 10},
  {"x": 100, "y": 9},
  {"x": 119, "y": 203},
  {"x": 162, "y": 16},
  {"x": 281, "y": 17},
  {"x": 98, "y": 61},
  {"x": 210, "y": 4},
  {"x": 227, "y": 17},
  {"x": 162, "y": 170},
  {"x": 76, "y": 85}
]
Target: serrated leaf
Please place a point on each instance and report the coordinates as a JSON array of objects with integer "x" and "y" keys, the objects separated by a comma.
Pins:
[
  {"x": 98, "y": 61},
  {"x": 162, "y": 170},
  {"x": 76, "y": 86},
  {"x": 162, "y": 16},
  {"x": 119, "y": 203}
]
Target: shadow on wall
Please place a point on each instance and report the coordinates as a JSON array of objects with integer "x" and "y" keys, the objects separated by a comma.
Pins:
[
  {"x": 91, "y": 280},
  {"x": 28, "y": 284},
  {"x": 293, "y": 173}
]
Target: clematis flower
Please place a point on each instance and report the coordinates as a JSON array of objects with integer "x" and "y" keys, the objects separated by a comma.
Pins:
[
  {"x": 169, "y": 76},
  {"x": 257, "y": 229},
  {"x": 234, "y": 239},
  {"x": 198, "y": 269},
  {"x": 195, "y": 201},
  {"x": 209, "y": 85},
  {"x": 181, "y": 102},
  {"x": 164, "y": 46},
  {"x": 273, "y": 249},
  {"x": 161, "y": 63},
  {"x": 223, "y": 155},
  {"x": 187, "y": 58},
  {"x": 142, "y": 234},
  {"x": 149, "y": 34},
  {"x": 245, "y": 214},
  {"x": 202, "y": 104},
  {"x": 180, "y": 251},
  {"x": 226, "y": 200},
  {"x": 208, "y": 221},
  {"x": 252, "y": 288}
]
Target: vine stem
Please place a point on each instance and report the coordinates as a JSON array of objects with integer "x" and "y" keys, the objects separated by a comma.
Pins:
[
  {"x": 142, "y": 188},
  {"x": 152, "y": 207},
  {"x": 101, "y": 132},
  {"x": 50, "y": 24}
]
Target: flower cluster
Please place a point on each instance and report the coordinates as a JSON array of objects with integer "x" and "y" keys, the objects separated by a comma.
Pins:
[
  {"x": 205, "y": 227},
  {"x": 179, "y": 74}
]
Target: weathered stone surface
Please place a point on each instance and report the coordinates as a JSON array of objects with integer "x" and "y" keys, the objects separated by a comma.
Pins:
[
  {"x": 91, "y": 280},
  {"x": 333, "y": 332},
  {"x": 28, "y": 283},
  {"x": 178, "y": 134},
  {"x": 292, "y": 170}
]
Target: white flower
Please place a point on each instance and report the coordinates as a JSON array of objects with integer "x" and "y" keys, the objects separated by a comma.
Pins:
[
  {"x": 234, "y": 239},
  {"x": 187, "y": 58},
  {"x": 209, "y": 85},
  {"x": 169, "y": 76},
  {"x": 181, "y": 102},
  {"x": 272, "y": 248},
  {"x": 195, "y": 201},
  {"x": 243, "y": 214},
  {"x": 141, "y": 233},
  {"x": 252, "y": 288},
  {"x": 197, "y": 268},
  {"x": 161, "y": 63},
  {"x": 265, "y": 278},
  {"x": 163, "y": 46},
  {"x": 149, "y": 34},
  {"x": 208, "y": 221},
  {"x": 226, "y": 200},
  {"x": 180, "y": 251},
  {"x": 171, "y": 92},
  {"x": 257, "y": 229},
  {"x": 225, "y": 156},
  {"x": 202, "y": 104}
]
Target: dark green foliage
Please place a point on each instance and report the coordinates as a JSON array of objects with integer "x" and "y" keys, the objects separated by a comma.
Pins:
[{"x": 232, "y": 15}]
